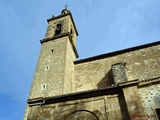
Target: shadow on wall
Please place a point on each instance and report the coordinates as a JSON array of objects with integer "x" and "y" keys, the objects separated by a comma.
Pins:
[
  {"x": 123, "y": 106},
  {"x": 106, "y": 81}
]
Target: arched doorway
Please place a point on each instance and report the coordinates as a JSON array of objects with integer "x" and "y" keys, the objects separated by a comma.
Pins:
[{"x": 82, "y": 115}]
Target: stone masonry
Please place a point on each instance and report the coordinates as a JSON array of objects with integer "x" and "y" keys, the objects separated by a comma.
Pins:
[{"x": 120, "y": 85}]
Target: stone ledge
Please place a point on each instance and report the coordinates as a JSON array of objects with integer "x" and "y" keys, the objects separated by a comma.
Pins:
[
  {"x": 140, "y": 82},
  {"x": 59, "y": 36},
  {"x": 78, "y": 95},
  {"x": 106, "y": 55},
  {"x": 130, "y": 82},
  {"x": 149, "y": 81},
  {"x": 35, "y": 99}
]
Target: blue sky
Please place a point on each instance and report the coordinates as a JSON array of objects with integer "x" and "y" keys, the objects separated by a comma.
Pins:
[{"x": 104, "y": 26}]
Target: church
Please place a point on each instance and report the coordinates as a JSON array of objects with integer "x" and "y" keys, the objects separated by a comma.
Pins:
[{"x": 120, "y": 85}]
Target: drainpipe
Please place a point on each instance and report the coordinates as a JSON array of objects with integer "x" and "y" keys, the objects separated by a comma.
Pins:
[{"x": 39, "y": 103}]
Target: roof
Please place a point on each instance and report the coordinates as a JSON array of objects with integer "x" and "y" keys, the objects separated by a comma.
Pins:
[
  {"x": 76, "y": 95},
  {"x": 106, "y": 55},
  {"x": 96, "y": 92}
]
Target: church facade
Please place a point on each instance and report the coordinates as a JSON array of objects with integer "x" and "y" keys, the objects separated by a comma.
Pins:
[{"x": 120, "y": 85}]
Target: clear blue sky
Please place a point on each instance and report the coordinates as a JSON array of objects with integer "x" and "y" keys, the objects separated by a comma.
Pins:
[{"x": 103, "y": 25}]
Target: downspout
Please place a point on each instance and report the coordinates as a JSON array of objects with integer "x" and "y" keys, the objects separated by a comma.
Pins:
[{"x": 39, "y": 103}]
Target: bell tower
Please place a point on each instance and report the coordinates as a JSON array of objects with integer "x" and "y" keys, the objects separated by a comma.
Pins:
[{"x": 54, "y": 73}]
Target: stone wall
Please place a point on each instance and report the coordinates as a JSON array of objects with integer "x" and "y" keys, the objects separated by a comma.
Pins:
[
  {"x": 150, "y": 97},
  {"x": 95, "y": 108},
  {"x": 133, "y": 101},
  {"x": 52, "y": 26},
  {"x": 69, "y": 69},
  {"x": 139, "y": 64},
  {"x": 67, "y": 27},
  {"x": 52, "y": 69}
]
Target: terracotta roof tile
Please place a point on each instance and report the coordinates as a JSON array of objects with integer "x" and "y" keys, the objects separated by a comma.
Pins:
[
  {"x": 128, "y": 82},
  {"x": 69, "y": 94},
  {"x": 136, "y": 81},
  {"x": 151, "y": 80}
]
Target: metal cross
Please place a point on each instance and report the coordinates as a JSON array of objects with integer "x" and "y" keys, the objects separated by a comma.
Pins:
[{"x": 66, "y": 6}]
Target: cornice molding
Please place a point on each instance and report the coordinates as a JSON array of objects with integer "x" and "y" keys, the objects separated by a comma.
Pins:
[{"x": 60, "y": 36}]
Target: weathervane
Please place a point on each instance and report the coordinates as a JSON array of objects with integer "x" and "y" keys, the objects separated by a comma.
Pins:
[{"x": 66, "y": 6}]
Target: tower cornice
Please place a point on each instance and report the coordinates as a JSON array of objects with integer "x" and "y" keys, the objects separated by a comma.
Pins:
[{"x": 59, "y": 36}]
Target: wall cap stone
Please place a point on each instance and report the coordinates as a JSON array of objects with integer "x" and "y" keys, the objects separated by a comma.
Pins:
[
  {"x": 106, "y": 55},
  {"x": 130, "y": 82},
  {"x": 140, "y": 82},
  {"x": 149, "y": 81},
  {"x": 77, "y": 95}
]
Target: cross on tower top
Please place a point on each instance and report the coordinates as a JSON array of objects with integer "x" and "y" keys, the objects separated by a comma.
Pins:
[{"x": 66, "y": 6}]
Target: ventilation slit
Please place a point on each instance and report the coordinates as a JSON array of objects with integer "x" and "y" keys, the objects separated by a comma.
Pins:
[{"x": 52, "y": 50}]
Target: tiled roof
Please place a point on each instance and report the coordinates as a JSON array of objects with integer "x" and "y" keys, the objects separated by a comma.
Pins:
[
  {"x": 147, "y": 81},
  {"x": 128, "y": 82},
  {"x": 106, "y": 55},
  {"x": 140, "y": 82},
  {"x": 111, "y": 88},
  {"x": 73, "y": 94}
]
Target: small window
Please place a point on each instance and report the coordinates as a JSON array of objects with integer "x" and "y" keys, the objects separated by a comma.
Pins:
[
  {"x": 43, "y": 86},
  {"x": 47, "y": 68},
  {"x": 52, "y": 50}
]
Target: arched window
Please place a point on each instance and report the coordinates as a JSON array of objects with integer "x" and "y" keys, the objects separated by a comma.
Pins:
[{"x": 58, "y": 29}]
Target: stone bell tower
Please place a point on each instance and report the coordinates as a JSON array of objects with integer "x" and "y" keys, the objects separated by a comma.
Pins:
[{"x": 54, "y": 73}]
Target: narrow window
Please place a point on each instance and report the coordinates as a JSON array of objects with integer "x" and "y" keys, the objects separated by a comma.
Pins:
[
  {"x": 43, "y": 86},
  {"x": 71, "y": 33},
  {"x": 52, "y": 50},
  {"x": 47, "y": 68}
]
